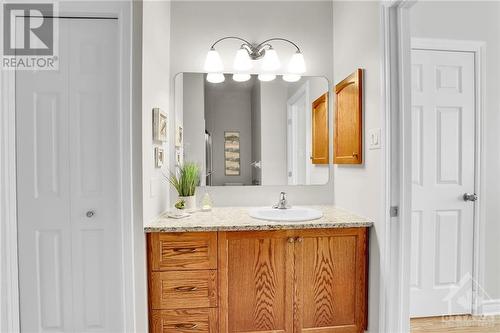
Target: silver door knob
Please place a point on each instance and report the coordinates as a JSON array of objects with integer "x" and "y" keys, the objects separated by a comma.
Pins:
[
  {"x": 470, "y": 196},
  {"x": 90, "y": 213}
]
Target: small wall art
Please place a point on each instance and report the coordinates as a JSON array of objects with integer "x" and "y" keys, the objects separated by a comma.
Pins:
[
  {"x": 232, "y": 153},
  {"x": 159, "y": 157},
  {"x": 159, "y": 125},
  {"x": 178, "y": 157}
]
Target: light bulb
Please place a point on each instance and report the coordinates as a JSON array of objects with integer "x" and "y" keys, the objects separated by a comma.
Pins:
[
  {"x": 213, "y": 62},
  {"x": 297, "y": 64},
  {"x": 291, "y": 77},
  {"x": 241, "y": 77},
  {"x": 215, "y": 77},
  {"x": 266, "y": 77},
  {"x": 242, "y": 61},
  {"x": 271, "y": 62}
]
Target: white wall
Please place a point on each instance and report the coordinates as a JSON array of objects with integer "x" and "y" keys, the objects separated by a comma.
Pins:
[
  {"x": 139, "y": 250},
  {"x": 196, "y": 25},
  {"x": 476, "y": 21},
  {"x": 155, "y": 93},
  {"x": 359, "y": 187}
]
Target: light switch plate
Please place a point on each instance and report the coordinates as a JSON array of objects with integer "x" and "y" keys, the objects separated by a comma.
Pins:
[
  {"x": 374, "y": 138},
  {"x": 154, "y": 188}
]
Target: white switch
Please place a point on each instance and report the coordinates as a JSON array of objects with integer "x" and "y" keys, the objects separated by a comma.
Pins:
[
  {"x": 154, "y": 188},
  {"x": 374, "y": 138}
]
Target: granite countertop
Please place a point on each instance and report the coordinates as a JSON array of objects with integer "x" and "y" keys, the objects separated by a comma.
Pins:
[{"x": 237, "y": 219}]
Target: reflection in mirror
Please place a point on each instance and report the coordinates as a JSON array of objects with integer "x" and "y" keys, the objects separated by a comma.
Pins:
[{"x": 254, "y": 132}]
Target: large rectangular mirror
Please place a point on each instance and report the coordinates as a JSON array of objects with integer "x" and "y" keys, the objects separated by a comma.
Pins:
[{"x": 253, "y": 132}]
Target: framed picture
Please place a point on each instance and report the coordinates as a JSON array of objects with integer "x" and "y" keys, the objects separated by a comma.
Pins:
[
  {"x": 232, "y": 153},
  {"x": 178, "y": 136},
  {"x": 159, "y": 157},
  {"x": 159, "y": 125}
]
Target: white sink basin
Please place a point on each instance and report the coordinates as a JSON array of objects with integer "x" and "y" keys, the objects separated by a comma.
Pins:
[{"x": 294, "y": 214}]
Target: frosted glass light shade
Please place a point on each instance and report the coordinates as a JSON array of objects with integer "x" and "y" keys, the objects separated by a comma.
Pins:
[
  {"x": 213, "y": 62},
  {"x": 291, "y": 77},
  {"x": 297, "y": 64},
  {"x": 271, "y": 61},
  {"x": 215, "y": 77},
  {"x": 242, "y": 61},
  {"x": 241, "y": 77},
  {"x": 266, "y": 77}
]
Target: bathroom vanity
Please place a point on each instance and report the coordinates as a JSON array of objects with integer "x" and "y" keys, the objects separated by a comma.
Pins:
[{"x": 223, "y": 271}]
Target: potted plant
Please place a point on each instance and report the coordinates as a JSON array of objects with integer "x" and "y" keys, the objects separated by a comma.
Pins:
[{"x": 185, "y": 182}]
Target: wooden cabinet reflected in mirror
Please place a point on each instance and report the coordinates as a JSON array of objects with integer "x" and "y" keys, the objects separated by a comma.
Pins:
[
  {"x": 320, "y": 148},
  {"x": 348, "y": 147}
]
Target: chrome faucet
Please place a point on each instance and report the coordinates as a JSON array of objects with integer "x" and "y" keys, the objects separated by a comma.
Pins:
[{"x": 282, "y": 203}]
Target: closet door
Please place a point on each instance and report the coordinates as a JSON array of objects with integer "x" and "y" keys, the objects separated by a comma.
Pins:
[
  {"x": 68, "y": 146},
  {"x": 43, "y": 196},
  {"x": 94, "y": 162}
]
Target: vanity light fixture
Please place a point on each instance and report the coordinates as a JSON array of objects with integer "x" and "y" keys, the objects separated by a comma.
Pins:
[
  {"x": 239, "y": 77},
  {"x": 266, "y": 77},
  {"x": 243, "y": 61},
  {"x": 215, "y": 77}
]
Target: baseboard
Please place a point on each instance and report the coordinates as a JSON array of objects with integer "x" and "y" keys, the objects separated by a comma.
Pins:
[{"x": 490, "y": 307}]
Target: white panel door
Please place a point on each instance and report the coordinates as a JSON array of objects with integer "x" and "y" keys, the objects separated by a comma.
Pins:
[
  {"x": 443, "y": 170},
  {"x": 68, "y": 153},
  {"x": 298, "y": 138}
]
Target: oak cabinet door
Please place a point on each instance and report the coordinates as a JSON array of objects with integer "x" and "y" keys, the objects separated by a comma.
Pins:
[
  {"x": 320, "y": 147},
  {"x": 256, "y": 281},
  {"x": 330, "y": 273},
  {"x": 348, "y": 145}
]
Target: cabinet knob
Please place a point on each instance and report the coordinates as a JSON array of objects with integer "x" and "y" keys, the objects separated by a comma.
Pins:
[
  {"x": 299, "y": 239},
  {"x": 291, "y": 240},
  {"x": 90, "y": 213}
]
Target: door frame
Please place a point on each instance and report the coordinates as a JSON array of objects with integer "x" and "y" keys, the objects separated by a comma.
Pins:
[
  {"x": 9, "y": 288},
  {"x": 395, "y": 83},
  {"x": 477, "y": 48},
  {"x": 302, "y": 91}
]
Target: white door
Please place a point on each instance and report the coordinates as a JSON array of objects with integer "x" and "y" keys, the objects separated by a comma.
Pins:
[
  {"x": 298, "y": 120},
  {"x": 68, "y": 153},
  {"x": 443, "y": 137}
]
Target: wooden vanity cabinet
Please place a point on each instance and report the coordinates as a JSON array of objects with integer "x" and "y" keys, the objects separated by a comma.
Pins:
[
  {"x": 256, "y": 281},
  {"x": 330, "y": 280},
  {"x": 182, "y": 282},
  {"x": 310, "y": 280}
]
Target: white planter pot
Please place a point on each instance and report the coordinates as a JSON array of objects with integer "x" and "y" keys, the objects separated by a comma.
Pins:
[{"x": 189, "y": 203}]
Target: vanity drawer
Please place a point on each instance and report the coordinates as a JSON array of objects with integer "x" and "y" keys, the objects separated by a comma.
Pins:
[
  {"x": 183, "y": 251},
  {"x": 185, "y": 320},
  {"x": 183, "y": 289}
]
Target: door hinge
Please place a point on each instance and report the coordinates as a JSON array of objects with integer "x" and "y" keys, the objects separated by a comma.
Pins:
[{"x": 394, "y": 211}]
